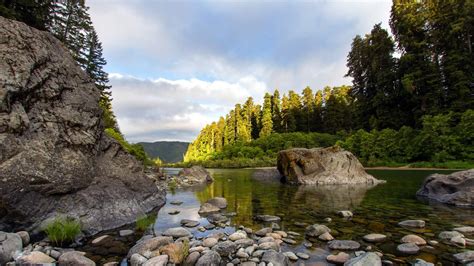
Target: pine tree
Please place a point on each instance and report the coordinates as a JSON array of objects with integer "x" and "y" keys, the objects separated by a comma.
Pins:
[
  {"x": 308, "y": 108},
  {"x": 267, "y": 123},
  {"x": 35, "y": 13},
  {"x": 296, "y": 112},
  {"x": 317, "y": 119},
  {"x": 276, "y": 112},
  {"x": 288, "y": 118}
]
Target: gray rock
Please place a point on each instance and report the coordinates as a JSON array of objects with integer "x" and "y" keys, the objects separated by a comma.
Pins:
[
  {"x": 447, "y": 235},
  {"x": 413, "y": 239},
  {"x": 289, "y": 241},
  {"x": 420, "y": 262},
  {"x": 267, "y": 218},
  {"x": 25, "y": 237},
  {"x": 242, "y": 254},
  {"x": 331, "y": 165},
  {"x": 209, "y": 242},
  {"x": 210, "y": 258},
  {"x": 291, "y": 255},
  {"x": 72, "y": 258},
  {"x": 374, "y": 238},
  {"x": 269, "y": 245},
  {"x": 149, "y": 244},
  {"x": 10, "y": 244},
  {"x": 368, "y": 258},
  {"x": 316, "y": 230},
  {"x": 225, "y": 248},
  {"x": 244, "y": 242},
  {"x": 194, "y": 175},
  {"x": 35, "y": 258},
  {"x": 345, "y": 214},
  {"x": 161, "y": 260},
  {"x": 343, "y": 245},
  {"x": 248, "y": 263},
  {"x": 263, "y": 231},
  {"x": 189, "y": 223},
  {"x": 55, "y": 254},
  {"x": 208, "y": 208},
  {"x": 455, "y": 188},
  {"x": 53, "y": 149},
  {"x": 177, "y": 232},
  {"x": 266, "y": 239},
  {"x": 192, "y": 258},
  {"x": 465, "y": 257},
  {"x": 219, "y": 202},
  {"x": 126, "y": 232},
  {"x": 326, "y": 237},
  {"x": 238, "y": 235},
  {"x": 302, "y": 255},
  {"x": 176, "y": 202},
  {"x": 276, "y": 258},
  {"x": 466, "y": 230},
  {"x": 408, "y": 248},
  {"x": 217, "y": 218},
  {"x": 412, "y": 223}
]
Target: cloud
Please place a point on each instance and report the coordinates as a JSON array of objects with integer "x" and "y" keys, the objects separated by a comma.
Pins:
[
  {"x": 205, "y": 56},
  {"x": 162, "y": 109}
]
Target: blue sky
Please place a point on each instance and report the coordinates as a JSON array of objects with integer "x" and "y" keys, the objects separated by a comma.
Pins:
[{"x": 178, "y": 65}]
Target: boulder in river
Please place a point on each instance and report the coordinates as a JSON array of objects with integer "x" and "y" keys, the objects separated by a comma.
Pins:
[
  {"x": 322, "y": 166},
  {"x": 10, "y": 246},
  {"x": 194, "y": 175},
  {"x": 454, "y": 189},
  {"x": 55, "y": 156}
]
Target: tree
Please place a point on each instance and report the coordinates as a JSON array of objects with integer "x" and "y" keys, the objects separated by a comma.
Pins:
[
  {"x": 308, "y": 108},
  {"x": 276, "y": 112},
  {"x": 267, "y": 123},
  {"x": 35, "y": 13},
  {"x": 295, "y": 106}
]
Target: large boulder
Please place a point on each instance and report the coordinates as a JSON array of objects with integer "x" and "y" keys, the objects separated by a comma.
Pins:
[
  {"x": 322, "y": 166},
  {"x": 455, "y": 189},
  {"x": 55, "y": 157},
  {"x": 194, "y": 175}
]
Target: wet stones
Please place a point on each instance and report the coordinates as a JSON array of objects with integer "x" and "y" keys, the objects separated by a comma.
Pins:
[
  {"x": 412, "y": 223},
  {"x": 368, "y": 258},
  {"x": 316, "y": 230},
  {"x": 417, "y": 240},
  {"x": 219, "y": 202},
  {"x": 209, "y": 242},
  {"x": 267, "y": 218},
  {"x": 447, "y": 235},
  {"x": 277, "y": 259},
  {"x": 326, "y": 237},
  {"x": 189, "y": 223},
  {"x": 238, "y": 235},
  {"x": 340, "y": 258},
  {"x": 263, "y": 231},
  {"x": 343, "y": 245},
  {"x": 225, "y": 248},
  {"x": 466, "y": 230},
  {"x": 209, "y": 258},
  {"x": 375, "y": 238},
  {"x": 408, "y": 248},
  {"x": 177, "y": 232},
  {"x": 345, "y": 214},
  {"x": 464, "y": 257},
  {"x": 208, "y": 208}
]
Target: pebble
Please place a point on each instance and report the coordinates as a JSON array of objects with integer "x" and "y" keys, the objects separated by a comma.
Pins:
[
  {"x": 458, "y": 241},
  {"x": 465, "y": 257},
  {"x": 408, "y": 248},
  {"x": 420, "y": 262},
  {"x": 289, "y": 241},
  {"x": 176, "y": 202},
  {"x": 281, "y": 233},
  {"x": 374, "y": 238},
  {"x": 238, "y": 235},
  {"x": 308, "y": 244},
  {"x": 263, "y": 231},
  {"x": 328, "y": 219},
  {"x": 302, "y": 255},
  {"x": 291, "y": 255},
  {"x": 343, "y": 245},
  {"x": 345, "y": 214},
  {"x": 413, "y": 239},
  {"x": 468, "y": 230},
  {"x": 125, "y": 232},
  {"x": 326, "y": 237},
  {"x": 433, "y": 242},
  {"x": 448, "y": 235},
  {"x": 340, "y": 258},
  {"x": 209, "y": 242},
  {"x": 173, "y": 212},
  {"x": 413, "y": 223},
  {"x": 293, "y": 233}
]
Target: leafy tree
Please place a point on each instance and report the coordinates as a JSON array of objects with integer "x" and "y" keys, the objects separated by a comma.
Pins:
[
  {"x": 276, "y": 112},
  {"x": 308, "y": 108},
  {"x": 267, "y": 122}
]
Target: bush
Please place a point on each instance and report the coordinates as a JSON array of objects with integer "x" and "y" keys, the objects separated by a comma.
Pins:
[
  {"x": 144, "y": 222},
  {"x": 134, "y": 149},
  {"x": 62, "y": 231}
]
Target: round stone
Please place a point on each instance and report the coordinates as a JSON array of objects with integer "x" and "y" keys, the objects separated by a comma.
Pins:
[
  {"x": 326, "y": 237},
  {"x": 374, "y": 238},
  {"x": 413, "y": 223},
  {"x": 343, "y": 245},
  {"x": 408, "y": 248},
  {"x": 302, "y": 255},
  {"x": 340, "y": 258},
  {"x": 291, "y": 255},
  {"x": 209, "y": 242},
  {"x": 413, "y": 239},
  {"x": 447, "y": 235}
]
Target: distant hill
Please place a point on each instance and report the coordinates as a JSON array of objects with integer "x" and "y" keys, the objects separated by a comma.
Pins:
[{"x": 168, "y": 151}]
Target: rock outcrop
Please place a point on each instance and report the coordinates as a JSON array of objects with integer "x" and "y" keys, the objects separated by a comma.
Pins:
[
  {"x": 454, "y": 189},
  {"x": 193, "y": 176},
  {"x": 322, "y": 166},
  {"x": 54, "y": 155}
]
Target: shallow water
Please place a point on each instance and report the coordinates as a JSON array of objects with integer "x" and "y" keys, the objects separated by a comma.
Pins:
[{"x": 376, "y": 209}]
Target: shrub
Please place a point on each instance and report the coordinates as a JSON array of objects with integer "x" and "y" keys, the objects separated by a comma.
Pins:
[
  {"x": 62, "y": 231},
  {"x": 144, "y": 222}
]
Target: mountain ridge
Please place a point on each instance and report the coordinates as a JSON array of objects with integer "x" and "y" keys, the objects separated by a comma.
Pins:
[{"x": 167, "y": 151}]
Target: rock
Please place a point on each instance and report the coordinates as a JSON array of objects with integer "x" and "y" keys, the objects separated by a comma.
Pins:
[
  {"x": 209, "y": 242},
  {"x": 216, "y": 218},
  {"x": 126, "y": 232},
  {"x": 343, "y": 245},
  {"x": 447, "y": 235},
  {"x": 173, "y": 212},
  {"x": 368, "y": 258},
  {"x": 420, "y": 262},
  {"x": 55, "y": 254},
  {"x": 267, "y": 218},
  {"x": 10, "y": 244},
  {"x": 331, "y": 165},
  {"x": 35, "y": 258},
  {"x": 101, "y": 239},
  {"x": 211, "y": 258},
  {"x": 248, "y": 263},
  {"x": 176, "y": 202},
  {"x": 275, "y": 226},
  {"x": 316, "y": 230},
  {"x": 412, "y": 223},
  {"x": 413, "y": 239},
  {"x": 111, "y": 263},
  {"x": 208, "y": 208},
  {"x": 374, "y": 238},
  {"x": 326, "y": 237},
  {"x": 238, "y": 235},
  {"x": 454, "y": 189},
  {"x": 198, "y": 249},
  {"x": 458, "y": 241},
  {"x": 269, "y": 245},
  {"x": 25, "y": 237},
  {"x": 175, "y": 252},
  {"x": 291, "y": 255},
  {"x": 340, "y": 258},
  {"x": 466, "y": 230},
  {"x": 219, "y": 202},
  {"x": 293, "y": 233},
  {"x": 189, "y": 223},
  {"x": 302, "y": 255},
  {"x": 242, "y": 254},
  {"x": 276, "y": 258},
  {"x": 225, "y": 248},
  {"x": 345, "y": 214},
  {"x": 266, "y": 239},
  {"x": 194, "y": 175},
  {"x": 177, "y": 232},
  {"x": 244, "y": 242},
  {"x": 267, "y": 175},
  {"x": 192, "y": 259},
  {"x": 149, "y": 244},
  {"x": 274, "y": 235},
  {"x": 281, "y": 233},
  {"x": 72, "y": 258},
  {"x": 161, "y": 260},
  {"x": 263, "y": 231},
  {"x": 54, "y": 154},
  {"x": 408, "y": 248},
  {"x": 464, "y": 257}
]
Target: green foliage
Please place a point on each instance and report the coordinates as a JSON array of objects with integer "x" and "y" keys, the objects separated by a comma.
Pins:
[
  {"x": 134, "y": 149},
  {"x": 167, "y": 151},
  {"x": 62, "y": 231},
  {"x": 144, "y": 222}
]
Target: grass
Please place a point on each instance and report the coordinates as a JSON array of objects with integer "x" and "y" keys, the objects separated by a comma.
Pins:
[
  {"x": 62, "y": 231},
  {"x": 144, "y": 222},
  {"x": 172, "y": 185}
]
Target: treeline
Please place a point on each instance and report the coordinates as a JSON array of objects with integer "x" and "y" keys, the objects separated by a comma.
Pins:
[
  {"x": 69, "y": 22},
  {"x": 434, "y": 75},
  {"x": 445, "y": 141}
]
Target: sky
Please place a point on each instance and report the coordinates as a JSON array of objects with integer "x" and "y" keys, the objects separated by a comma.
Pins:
[{"x": 175, "y": 66}]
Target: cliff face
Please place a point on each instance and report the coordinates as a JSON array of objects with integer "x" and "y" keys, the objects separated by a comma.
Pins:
[{"x": 54, "y": 155}]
